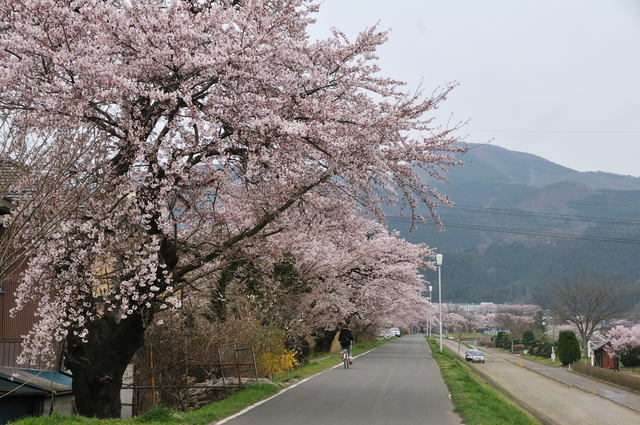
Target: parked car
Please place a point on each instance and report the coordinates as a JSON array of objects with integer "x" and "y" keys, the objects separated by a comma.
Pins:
[{"x": 395, "y": 331}]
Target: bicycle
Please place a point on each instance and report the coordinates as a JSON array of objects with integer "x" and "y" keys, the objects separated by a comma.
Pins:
[{"x": 346, "y": 356}]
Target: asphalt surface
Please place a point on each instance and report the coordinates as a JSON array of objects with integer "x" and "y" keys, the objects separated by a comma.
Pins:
[
  {"x": 396, "y": 384},
  {"x": 561, "y": 374},
  {"x": 551, "y": 401}
]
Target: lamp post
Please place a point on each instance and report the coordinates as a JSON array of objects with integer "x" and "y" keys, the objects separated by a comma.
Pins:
[
  {"x": 430, "y": 288},
  {"x": 439, "y": 264}
]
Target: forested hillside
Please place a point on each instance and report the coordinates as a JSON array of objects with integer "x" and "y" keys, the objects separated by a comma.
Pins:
[{"x": 521, "y": 222}]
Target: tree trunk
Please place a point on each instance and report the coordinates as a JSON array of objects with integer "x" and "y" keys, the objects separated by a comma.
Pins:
[
  {"x": 585, "y": 342},
  {"x": 99, "y": 364}
]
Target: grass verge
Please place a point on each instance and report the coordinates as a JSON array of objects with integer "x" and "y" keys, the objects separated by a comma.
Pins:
[
  {"x": 211, "y": 412},
  {"x": 237, "y": 401},
  {"x": 542, "y": 360},
  {"x": 476, "y": 401}
]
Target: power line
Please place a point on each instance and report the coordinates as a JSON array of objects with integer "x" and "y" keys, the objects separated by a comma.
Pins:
[
  {"x": 556, "y": 235},
  {"x": 569, "y": 217},
  {"x": 545, "y": 131},
  {"x": 544, "y": 234}
]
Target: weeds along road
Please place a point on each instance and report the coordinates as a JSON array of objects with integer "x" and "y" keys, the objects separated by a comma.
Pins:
[
  {"x": 552, "y": 401},
  {"x": 396, "y": 384}
]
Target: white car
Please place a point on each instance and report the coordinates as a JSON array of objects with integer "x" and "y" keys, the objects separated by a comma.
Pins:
[
  {"x": 388, "y": 333},
  {"x": 477, "y": 356}
]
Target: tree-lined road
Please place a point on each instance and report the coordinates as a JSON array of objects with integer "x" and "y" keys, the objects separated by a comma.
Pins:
[{"x": 396, "y": 384}]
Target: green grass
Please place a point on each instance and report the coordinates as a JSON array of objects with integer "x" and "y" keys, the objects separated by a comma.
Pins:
[
  {"x": 633, "y": 369},
  {"x": 211, "y": 412},
  {"x": 542, "y": 360},
  {"x": 237, "y": 401},
  {"x": 476, "y": 401},
  {"x": 465, "y": 335}
]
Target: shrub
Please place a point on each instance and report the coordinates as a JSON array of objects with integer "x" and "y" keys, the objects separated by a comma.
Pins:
[
  {"x": 541, "y": 348},
  {"x": 503, "y": 340},
  {"x": 273, "y": 364},
  {"x": 528, "y": 338},
  {"x": 631, "y": 357},
  {"x": 627, "y": 380},
  {"x": 568, "y": 347},
  {"x": 272, "y": 356}
]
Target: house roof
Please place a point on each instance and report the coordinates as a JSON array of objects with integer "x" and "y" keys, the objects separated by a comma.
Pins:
[
  {"x": 601, "y": 345},
  {"x": 33, "y": 382}
]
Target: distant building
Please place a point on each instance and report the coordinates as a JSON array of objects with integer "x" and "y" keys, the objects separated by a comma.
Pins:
[
  {"x": 481, "y": 308},
  {"x": 602, "y": 359}
]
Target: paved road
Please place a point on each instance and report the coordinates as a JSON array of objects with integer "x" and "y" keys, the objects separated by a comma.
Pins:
[
  {"x": 625, "y": 398},
  {"x": 552, "y": 401},
  {"x": 396, "y": 384}
]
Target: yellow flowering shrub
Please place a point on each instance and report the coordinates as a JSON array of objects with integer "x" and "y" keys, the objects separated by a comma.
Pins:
[
  {"x": 272, "y": 356},
  {"x": 273, "y": 364}
]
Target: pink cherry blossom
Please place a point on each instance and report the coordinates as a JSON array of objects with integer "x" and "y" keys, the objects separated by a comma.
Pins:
[
  {"x": 206, "y": 130},
  {"x": 623, "y": 339}
]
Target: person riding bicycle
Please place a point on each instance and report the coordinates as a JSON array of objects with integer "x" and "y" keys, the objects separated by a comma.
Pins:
[{"x": 346, "y": 340}]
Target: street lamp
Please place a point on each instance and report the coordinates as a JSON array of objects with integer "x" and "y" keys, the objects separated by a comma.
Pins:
[
  {"x": 430, "y": 288},
  {"x": 439, "y": 264}
]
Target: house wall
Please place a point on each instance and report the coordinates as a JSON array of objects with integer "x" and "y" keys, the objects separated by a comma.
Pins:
[
  {"x": 603, "y": 360},
  {"x": 13, "y": 408},
  {"x": 62, "y": 404},
  {"x": 12, "y": 329}
]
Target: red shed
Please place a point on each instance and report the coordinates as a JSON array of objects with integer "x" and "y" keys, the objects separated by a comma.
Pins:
[{"x": 602, "y": 358}]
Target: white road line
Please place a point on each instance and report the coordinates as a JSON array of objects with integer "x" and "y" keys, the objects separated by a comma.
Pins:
[{"x": 258, "y": 403}]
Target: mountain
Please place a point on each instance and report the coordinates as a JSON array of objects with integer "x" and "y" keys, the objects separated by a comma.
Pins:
[
  {"x": 493, "y": 164},
  {"x": 522, "y": 222}
]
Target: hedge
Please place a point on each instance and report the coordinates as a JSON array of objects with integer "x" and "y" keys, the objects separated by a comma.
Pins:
[{"x": 622, "y": 379}]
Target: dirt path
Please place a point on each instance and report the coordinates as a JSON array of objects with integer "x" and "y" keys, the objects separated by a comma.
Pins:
[{"x": 552, "y": 401}]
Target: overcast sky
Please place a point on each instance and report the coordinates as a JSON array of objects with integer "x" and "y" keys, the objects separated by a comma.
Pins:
[{"x": 559, "y": 79}]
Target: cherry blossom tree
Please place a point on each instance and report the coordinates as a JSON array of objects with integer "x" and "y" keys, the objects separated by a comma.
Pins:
[
  {"x": 518, "y": 309},
  {"x": 42, "y": 181},
  {"x": 516, "y": 324},
  {"x": 213, "y": 120},
  {"x": 623, "y": 340},
  {"x": 343, "y": 268},
  {"x": 455, "y": 322},
  {"x": 480, "y": 322}
]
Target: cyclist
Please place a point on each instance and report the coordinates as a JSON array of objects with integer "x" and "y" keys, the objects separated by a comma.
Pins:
[{"x": 346, "y": 340}]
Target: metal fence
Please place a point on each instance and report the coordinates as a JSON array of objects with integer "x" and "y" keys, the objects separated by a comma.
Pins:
[{"x": 196, "y": 378}]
